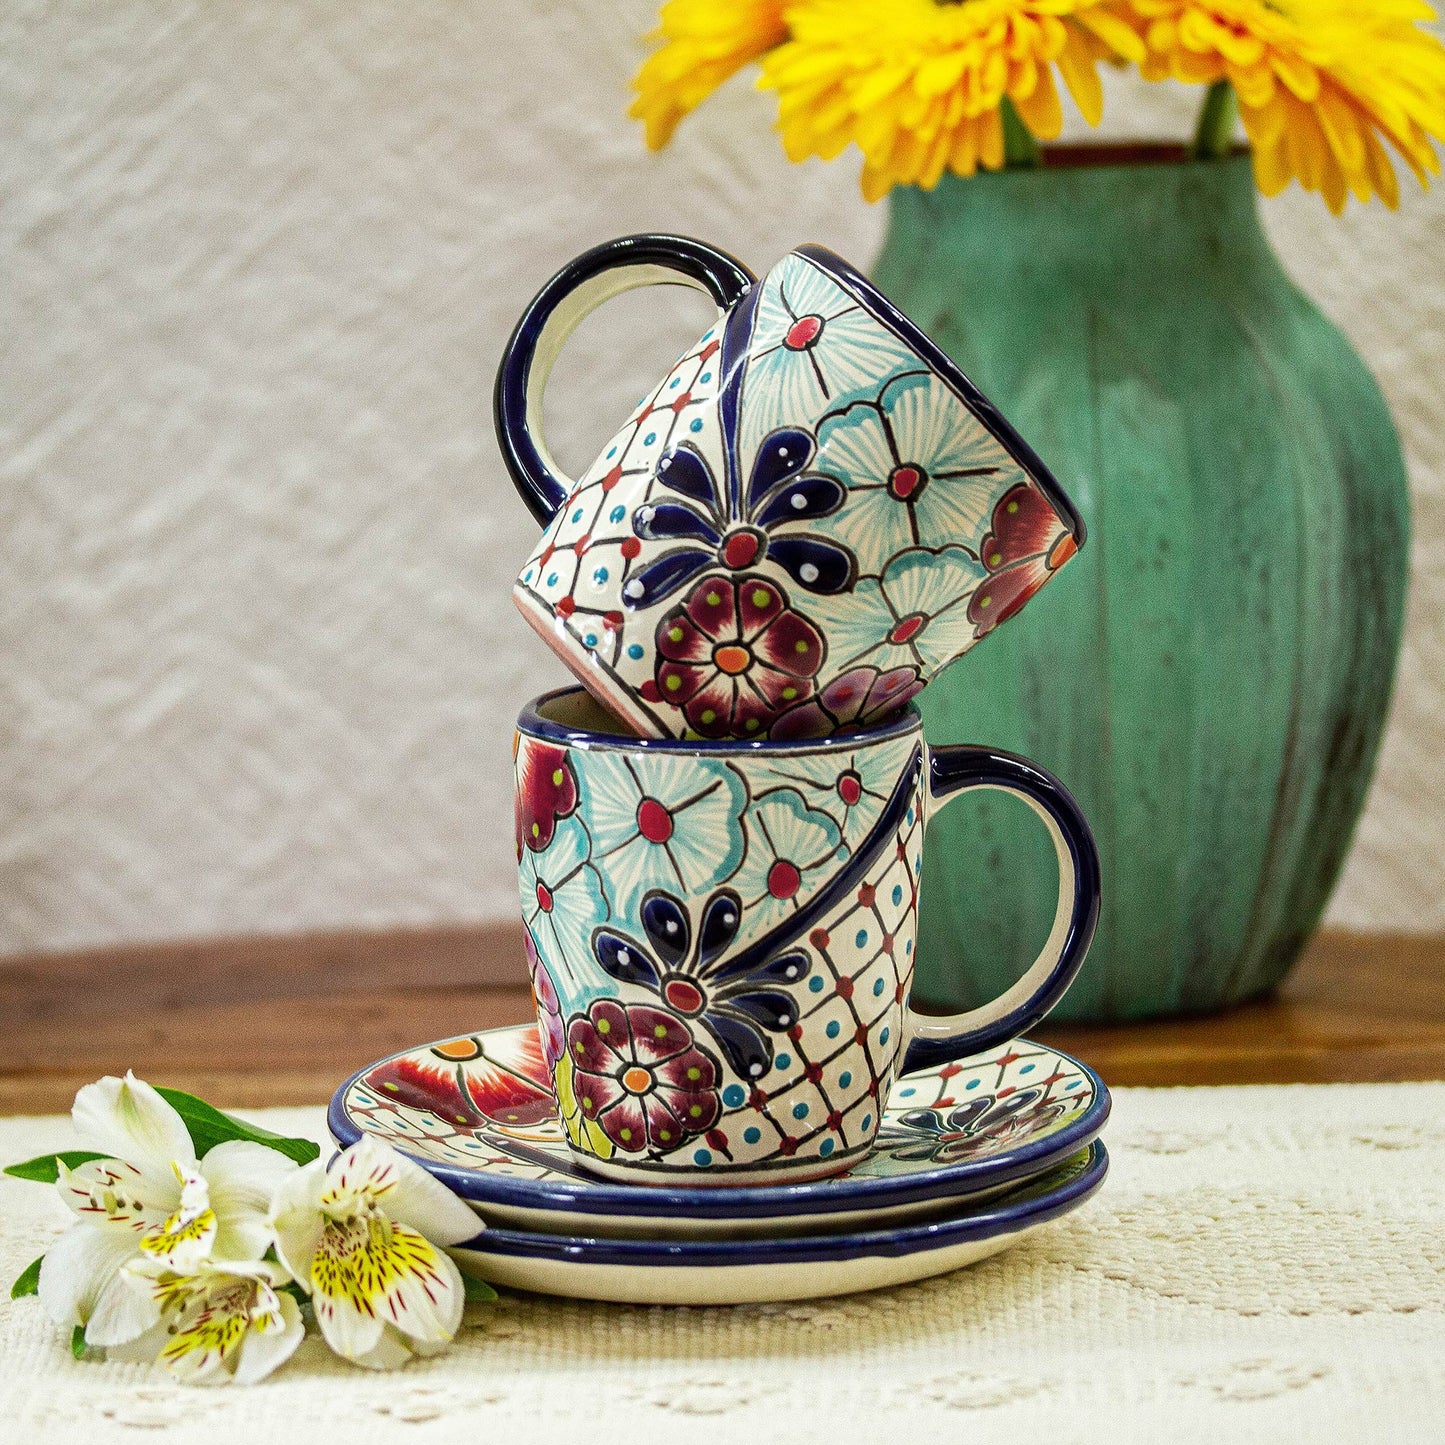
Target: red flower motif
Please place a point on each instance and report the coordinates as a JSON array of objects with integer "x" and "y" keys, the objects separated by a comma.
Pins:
[
  {"x": 546, "y": 791},
  {"x": 470, "y": 1083},
  {"x": 1025, "y": 545},
  {"x": 734, "y": 655},
  {"x": 857, "y": 699},
  {"x": 549, "y": 1008},
  {"x": 641, "y": 1077}
]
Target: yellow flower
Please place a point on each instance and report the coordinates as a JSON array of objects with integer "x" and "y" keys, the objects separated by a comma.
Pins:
[
  {"x": 918, "y": 84},
  {"x": 1320, "y": 84},
  {"x": 704, "y": 42}
]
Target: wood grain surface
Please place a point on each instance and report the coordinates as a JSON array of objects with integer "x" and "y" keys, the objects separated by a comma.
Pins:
[{"x": 283, "y": 1021}]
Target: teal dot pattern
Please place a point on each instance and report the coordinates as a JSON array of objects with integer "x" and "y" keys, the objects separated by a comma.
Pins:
[
  {"x": 581, "y": 560},
  {"x": 824, "y": 1086}
]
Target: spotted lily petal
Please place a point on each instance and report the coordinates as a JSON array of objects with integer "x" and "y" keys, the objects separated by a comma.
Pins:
[
  {"x": 428, "y": 1206},
  {"x": 111, "y": 1193},
  {"x": 390, "y": 1274},
  {"x": 189, "y": 1231},
  {"x": 235, "y": 1322},
  {"x": 264, "y": 1347}
]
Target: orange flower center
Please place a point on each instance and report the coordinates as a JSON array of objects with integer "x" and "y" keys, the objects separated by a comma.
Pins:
[
  {"x": 637, "y": 1080},
  {"x": 732, "y": 659}
]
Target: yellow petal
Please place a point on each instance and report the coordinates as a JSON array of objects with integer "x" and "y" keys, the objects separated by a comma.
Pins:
[
  {"x": 1301, "y": 77},
  {"x": 963, "y": 158},
  {"x": 990, "y": 140},
  {"x": 1082, "y": 78},
  {"x": 1119, "y": 36},
  {"x": 1271, "y": 169},
  {"x": 1040, "y": 109}
]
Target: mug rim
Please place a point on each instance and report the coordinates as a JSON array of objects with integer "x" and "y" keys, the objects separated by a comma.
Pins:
[
  {"x": 909, "y": 331},
  {"x": 534, "y": 724}
]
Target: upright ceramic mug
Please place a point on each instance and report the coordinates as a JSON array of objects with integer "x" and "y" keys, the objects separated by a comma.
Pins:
[
  {"x": 721, "y": 936},
  {"x": 812, "y": 514}
]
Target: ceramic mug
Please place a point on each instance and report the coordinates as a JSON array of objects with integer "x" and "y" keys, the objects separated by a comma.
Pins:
[
  {"x": 811, "y": 515},
  {"x": 721, "y": 935}
]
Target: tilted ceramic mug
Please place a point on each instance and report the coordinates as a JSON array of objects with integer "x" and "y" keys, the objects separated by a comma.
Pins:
[
  {"x": 811, "y": 515},
  {"x": 721, "y": 935}
]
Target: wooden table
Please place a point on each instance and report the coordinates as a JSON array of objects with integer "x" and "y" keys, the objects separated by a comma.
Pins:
[{"x": 284, "y": 1021}]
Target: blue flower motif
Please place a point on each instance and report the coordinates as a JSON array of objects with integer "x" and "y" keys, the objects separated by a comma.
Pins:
[
  {"x": 739, "y": 1001},
  {"x": 715, "y": 526}
]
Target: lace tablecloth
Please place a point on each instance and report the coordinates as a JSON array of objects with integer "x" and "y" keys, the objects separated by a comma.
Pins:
[{"x": 1263, "y": 1264}]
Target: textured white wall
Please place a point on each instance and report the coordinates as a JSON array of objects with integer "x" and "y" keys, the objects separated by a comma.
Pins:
[{"x": 257, "y": 261}]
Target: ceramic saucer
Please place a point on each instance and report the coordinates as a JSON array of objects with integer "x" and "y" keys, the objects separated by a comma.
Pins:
[
  {"x": 477, "y": 1111},
  {"x": 753, "y": 1271}
]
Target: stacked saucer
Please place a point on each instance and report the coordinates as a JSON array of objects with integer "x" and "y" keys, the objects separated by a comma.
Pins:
[{"x": 970, "y": 1157}]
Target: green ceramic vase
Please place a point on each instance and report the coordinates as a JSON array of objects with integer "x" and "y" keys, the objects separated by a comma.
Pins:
[{"x": 1210, "y": 675}]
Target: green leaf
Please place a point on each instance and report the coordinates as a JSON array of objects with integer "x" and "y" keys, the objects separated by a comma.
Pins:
[
  {"x": 208, "y": 1126},
  {"x": 1218, "y": 116},
  {"x": 477, "y": 1291},
  {"x": 77, "y": 1342},
  {"x": 1020, "y": 147},
  {"x": 43, "y": 1168},
  {"x": 29, "y": 1280}
]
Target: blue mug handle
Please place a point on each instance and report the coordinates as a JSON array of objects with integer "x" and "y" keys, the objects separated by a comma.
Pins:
[
  {"x": 938, "y": 1039},
  {"x": 579, "y": 288}
]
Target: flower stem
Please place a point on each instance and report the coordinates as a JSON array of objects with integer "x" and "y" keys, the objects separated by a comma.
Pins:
[
  {"x": 1020, "y": 148},
  {"x": 1215, "y": 132}
]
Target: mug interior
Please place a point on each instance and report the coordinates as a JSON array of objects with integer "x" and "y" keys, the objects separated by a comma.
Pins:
[{"x": 574, "y": 716}]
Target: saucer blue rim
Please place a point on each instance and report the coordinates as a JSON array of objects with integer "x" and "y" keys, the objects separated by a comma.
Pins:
[
  {"x": 754, "y": 1201},
  {"x": 1004, "y": 1217}
]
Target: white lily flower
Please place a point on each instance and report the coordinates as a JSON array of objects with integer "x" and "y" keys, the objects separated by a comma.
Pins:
[
  {"x": 365, "y": 1239},
  {"x": 216, "y": 1321},
  {"x": 149, "y": 1198}
]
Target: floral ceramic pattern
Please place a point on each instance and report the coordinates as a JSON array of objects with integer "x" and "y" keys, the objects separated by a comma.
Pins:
[
  {"x": 708, "y": 529},
  {"x": 976, "y": 1109},
  {"x": 743, "y": 909},
  {"x": 1024, "y": 547},
  {"x": 917, "y": 468},
  {"x": 638, "y": 1074},
  {"x": 733, "y": 656},
  {"x": 813, "y": 344},
  {"x": 803, "y": 496},
  {"x": 562, "y": 892},
  {"x": 791, "y": 842},
  {"x": 743, "y": 1007},
  {"x": 661, "y": 824},
  {"x": 916, "y": 615},
  {"x": 472, "y": 1082},
  {"x": 861, "y": 697}
]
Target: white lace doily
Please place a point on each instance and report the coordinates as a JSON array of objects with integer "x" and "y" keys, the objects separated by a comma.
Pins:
[{"x": 1264, "y": 1264}]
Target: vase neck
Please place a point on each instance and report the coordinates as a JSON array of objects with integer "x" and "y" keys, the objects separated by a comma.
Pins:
[{"x": 1110, "y": 221}]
